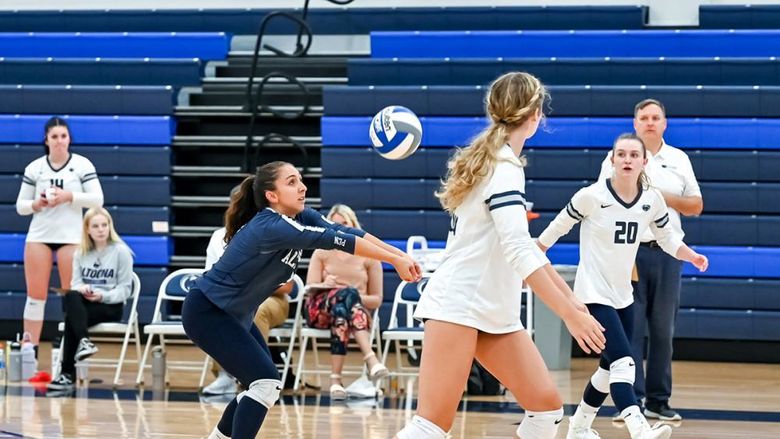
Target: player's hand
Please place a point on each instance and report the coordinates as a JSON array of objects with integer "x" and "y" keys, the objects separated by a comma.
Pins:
[
  {"x": 587, "y": 331},
  {"x": 94, "y": 297},
  {"x": 579, "y": 305},
  {"x": 85, "y": 290},
  {"x": 701, "y": 262},
  {"x": 418, "y": 271},
  {"x": 407, "y": 269},
  {"x": 58, "y": 196},
  {"x": 40, "y": 203}
]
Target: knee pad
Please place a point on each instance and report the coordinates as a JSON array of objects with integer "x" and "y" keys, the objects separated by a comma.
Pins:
[
  {"x": 622, "y": 370},
  {"x": 600, "y": 380},
  {"x": 421, "y": 428},
  {"x": 264, "y": 391},
  {"x": 34, "y": 309},
  {"x": 540, "y": 425}
]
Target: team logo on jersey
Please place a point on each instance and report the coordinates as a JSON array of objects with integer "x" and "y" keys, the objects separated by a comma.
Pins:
[
  {"x": 645, "y": 207},
  {"x": 341, "y": 242},
  {"x": 604, "y": 206}
]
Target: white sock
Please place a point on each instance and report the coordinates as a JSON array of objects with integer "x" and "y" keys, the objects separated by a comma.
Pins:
[
  {"x": 583, "y": 417},
  {"x": 216, "y": 434},
  {"x": 635, "y": 421}
]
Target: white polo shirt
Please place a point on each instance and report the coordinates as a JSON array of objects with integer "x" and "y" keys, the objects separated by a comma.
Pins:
[{"x": 669, "y": 171}]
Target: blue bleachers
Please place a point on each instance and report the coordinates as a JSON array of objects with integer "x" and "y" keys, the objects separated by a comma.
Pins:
[
  {"x": 86, "y": 99},
  {"x": 739, "y": 16},
  {"x": 94, "y": 130},
  {"x": 136, "y": 191},
  {"x": 205, "y": 46},
  {"x": 548, "y": 163},
  {"x": 149, "y": 250},
  {"x": 568, "y": 71},
  {"x": 129, "y": 220},
  {"x": 338, "y": 21},
  {"x": 12, "y": 278},
  {"x": 576, "y": 44},
  {"x": 108, "y": 160},
  {"x": 551, "y": 195},
  {"x": 592, "y": 101},
  {"x": 173, "y": 72},
  {"x": 566, "y": 132}
]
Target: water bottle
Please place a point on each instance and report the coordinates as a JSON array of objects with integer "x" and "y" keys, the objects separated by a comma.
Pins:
[
  {"x": 158, "y": 368},
  {"x": 29, "y": 363},
  {"x": 15, "y": 362}
]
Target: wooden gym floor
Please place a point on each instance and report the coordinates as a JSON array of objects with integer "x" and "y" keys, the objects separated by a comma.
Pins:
[{"x": 717, "y": 400}]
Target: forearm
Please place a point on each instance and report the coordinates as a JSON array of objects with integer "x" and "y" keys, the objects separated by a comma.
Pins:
[
  {"x": 688, "y": 206},
  {"x": 558, "y": 281},
  {"x": 379, "y": 243},
  {"x": 87, "y": 199},
  {"x": 544, "y": 286},
  {"x": 367, "y": 249},
  {"x": 685, "y": 253},
  {"x": 371, "y": 301}
]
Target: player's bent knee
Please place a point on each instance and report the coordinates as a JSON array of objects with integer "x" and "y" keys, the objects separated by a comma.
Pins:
[
  {"x": 264, "y": 391},
  {"x": 421, "y": 428},
  {"x": 622, "y": 370},
  {"x": 34, "y": 309},
  {"x": 600, "y": 380},
  {"x": 540, "y": 425}
]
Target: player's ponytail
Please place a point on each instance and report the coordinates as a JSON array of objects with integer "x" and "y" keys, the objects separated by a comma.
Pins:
[
  {"x": 250, "y": 198},
  {"x": 512, "y": 100}
]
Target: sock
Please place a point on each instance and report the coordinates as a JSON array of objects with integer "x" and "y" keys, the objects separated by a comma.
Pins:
[
  {"x": 248, "y": 418},
  {"x": 635, "y": 421},
  {"x": 584, "y": 416},
  {"x": 225, "y": 424}
]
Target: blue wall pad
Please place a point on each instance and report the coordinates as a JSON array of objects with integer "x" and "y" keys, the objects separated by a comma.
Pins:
[
  {"x": 573, "y": 132},
  {"x": 205, "y": 46},
  {"x": 12, "y": 307},
  {"x": 12, "y": 278},
  {"x": 138, "y": 191},
  {"x": 174, "y": 72},
  {"x": 108, "y": 160},
  {"x": 546, "y": 163},
  {"x": 730, "y": 293},
  {"x": 567, "y": 71},
  {"x": 597, "y": 100},
  {"x": 86, "y": 99},
  {"x": 149, "y": 250},
  {"x": 128, "y": 220},
  {"x": 739, "y": 16},
  {"x": 95, "y": 130},
  {"x": 575, "y": 44},
  {"x": 328, "y": 20},
  {"x": 728, "y": 324}
]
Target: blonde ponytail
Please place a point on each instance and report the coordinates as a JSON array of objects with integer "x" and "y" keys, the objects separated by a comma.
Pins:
[{"x": 512, "y": 99}]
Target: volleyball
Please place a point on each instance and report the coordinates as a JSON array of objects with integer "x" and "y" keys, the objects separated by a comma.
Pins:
[{"x": 395, "y": 132}]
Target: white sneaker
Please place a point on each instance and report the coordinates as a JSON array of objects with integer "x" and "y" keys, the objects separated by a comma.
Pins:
[
  {"x": 223, "y": 385},
  {"x": 582, "y": 433},
  {"x": 657, "y": 431}
]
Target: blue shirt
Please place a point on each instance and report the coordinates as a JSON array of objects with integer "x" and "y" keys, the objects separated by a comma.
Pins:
[{"x": 264, "y": 254}]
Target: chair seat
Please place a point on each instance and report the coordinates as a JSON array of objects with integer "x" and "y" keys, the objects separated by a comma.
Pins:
[
  {"x": 101, "y": 328},
  {"x": 284, "y": 330},
  {"x": 314, "y": 332},
  {"x": 165, "y": 328},
  {"x": 407, "y": 333}
]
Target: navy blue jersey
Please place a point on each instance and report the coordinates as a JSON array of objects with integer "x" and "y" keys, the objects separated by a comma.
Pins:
[{"x": 264, "y": 254}]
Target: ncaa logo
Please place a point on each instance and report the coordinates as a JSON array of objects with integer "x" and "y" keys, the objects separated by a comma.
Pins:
[{"x": 645, "y": 207}]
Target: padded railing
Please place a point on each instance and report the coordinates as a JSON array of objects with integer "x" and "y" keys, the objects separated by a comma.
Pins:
[
  {"x": 148, "y": 250},
  {"x": 107, "y": 130},
  {"x": 130, "y": 220},
  {"x": 576, "y": 44},
  {"x": 119, "y": 190},
  {"x": 108, "y": 160},
  {"x": 86, "y": 99},
  {"x": 739, "y": 16}
]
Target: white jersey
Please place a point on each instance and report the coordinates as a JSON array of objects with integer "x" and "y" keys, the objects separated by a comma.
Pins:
[
  {"x": 60, "y": 224},
  {"x": 488, "y": 254},
  {"x": 609, "y": 238},
  {"x": 216, "y": 247}
]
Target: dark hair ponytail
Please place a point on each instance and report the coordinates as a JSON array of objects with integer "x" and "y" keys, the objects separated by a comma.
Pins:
[
  {"x": 250, "y": 198},
  {"x": 54, "y": 121}
]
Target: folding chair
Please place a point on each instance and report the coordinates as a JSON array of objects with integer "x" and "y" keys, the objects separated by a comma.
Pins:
[
  {"x": 289, "y": 330},
  {"x": 319, "y": 334},
  {"x": 126, "y": 328},
  {"x": 174, "y": 288},
  {"x": 406, "y": 294}
]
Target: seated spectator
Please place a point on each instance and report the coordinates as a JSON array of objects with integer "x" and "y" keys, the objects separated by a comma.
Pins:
[
  {"x": 102, "y": 282},
  {"x": 271, "y": 313},
  {"x": 343, "y": 291}
]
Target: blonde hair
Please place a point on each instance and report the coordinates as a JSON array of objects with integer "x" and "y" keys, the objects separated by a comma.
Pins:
[
  {"x": 513, "y": 98},
  {"x": 643, "y": 182},
  {"x": 346, "y": 212},
  {"x": 87, "y": 244}
]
